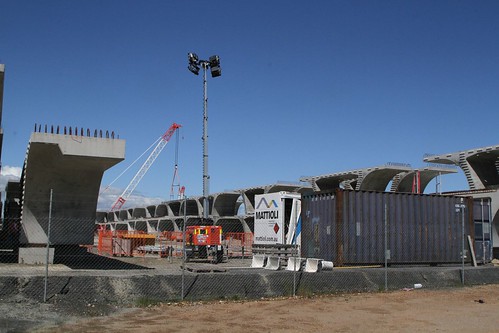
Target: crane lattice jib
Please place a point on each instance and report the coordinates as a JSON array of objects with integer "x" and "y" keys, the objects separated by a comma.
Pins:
[{"x": 145, "y": 167}]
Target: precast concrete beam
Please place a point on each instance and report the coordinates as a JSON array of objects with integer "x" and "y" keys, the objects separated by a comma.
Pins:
[
  {"x": 378, "y": 178},
  {"x": 249, "y": 199},
  {"x": 124, "y": 214},
  {"x": 152, "y": 226},
  {"x": 174, "y": 208},
  {"x": 193, "y": 207},
  {"x": 162, "y": 210},
  {"x": 71, "y": 166},
  {"x": 225, "y": 204},
  {"x": 167, "y": 225},
  {"x": 480, "y": 165},
  {"x": 112, "y": 216},
  {"x": 230, "y": 224},
  {"x": 331, "y": 181},
  {"x": 151, "y": 210},
  {"x": 141, "y": 225},
  {"x": 101, "y": 217},
  {"x": 140, "y": 212},
  {"x": 426, "y": 176},
  {"x": 288, "y": 187}
]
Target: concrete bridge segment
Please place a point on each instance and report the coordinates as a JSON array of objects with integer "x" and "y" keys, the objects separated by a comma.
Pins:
[{"x": 72, "y": 167}]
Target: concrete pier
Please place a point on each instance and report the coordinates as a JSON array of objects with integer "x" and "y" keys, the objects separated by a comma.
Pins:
[{"x": 71, "y": 165}]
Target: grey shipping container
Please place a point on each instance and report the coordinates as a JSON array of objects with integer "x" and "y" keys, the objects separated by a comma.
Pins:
[{"x": 348, "y": 227}]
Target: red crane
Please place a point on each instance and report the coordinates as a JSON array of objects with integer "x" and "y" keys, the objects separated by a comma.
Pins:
[{"x": 145, "y": 167}]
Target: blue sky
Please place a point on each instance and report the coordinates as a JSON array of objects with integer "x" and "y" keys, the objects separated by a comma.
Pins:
[{"x": 307, "y": 87}]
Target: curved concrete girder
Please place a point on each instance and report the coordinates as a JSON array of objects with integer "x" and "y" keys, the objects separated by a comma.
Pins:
[
  {"x": 486, "y": 167},
  {"x": 426, "y": 176},
  {"x": 140, "y": 212},
  {"x": 152, "y": 226},
  {"x": 101, "y": 217},
  {"x": 230, "y": 224},
  {"x": 162, "y": 210},
  {"x": 249, "y": 199},
  {"x": 225, "y": 204},
  {"x": 121, "y": 226},
  {"x": 282, "y": 187},
  {"x": 329, "y": 183},
  {"x": 151, "y": 210},
  {"x": 174, "y": 208},
  {"x": 250, "y": 223},
  {"x": 191, "y": 220},
  {"x": 378, "y": 179},
  {"x": 140, "y": 225},
  {"x": 124, "y": 214},
  {"x": 480, "y": 165},
  {"x": 167, "y": 225},
  {"x": 210, "y": 204},
  {"x": 72, "y": 167},
  {"x": 194, "y": 207},
  {"x": 112, "y": 216}
]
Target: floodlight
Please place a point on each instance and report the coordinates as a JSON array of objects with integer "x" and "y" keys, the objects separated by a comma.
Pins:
[
  {"x": 194, "y": 68},
  {"x": 215, "y": 66},
  {"x": 216, "y": 71},
  {"x": 193, "y": 58},
  {"x": 214, "y": 61}
]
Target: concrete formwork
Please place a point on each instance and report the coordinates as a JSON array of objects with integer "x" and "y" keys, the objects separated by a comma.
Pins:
[{"x": 72, "y": 167}]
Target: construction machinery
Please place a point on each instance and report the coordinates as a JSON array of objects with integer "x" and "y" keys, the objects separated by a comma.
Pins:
[
  {"x": 163, "y": 140},
  {"x": 204, "y": 243}
]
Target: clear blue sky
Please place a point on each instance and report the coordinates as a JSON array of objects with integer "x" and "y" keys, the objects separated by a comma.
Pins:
[{"x": 307, "y": 87}]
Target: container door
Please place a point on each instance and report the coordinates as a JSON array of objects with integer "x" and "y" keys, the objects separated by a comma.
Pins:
[{"x": 482, "y": 213}]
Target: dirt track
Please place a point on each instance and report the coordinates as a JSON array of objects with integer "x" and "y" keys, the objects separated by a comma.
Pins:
[{"x": 451, "y": 310}]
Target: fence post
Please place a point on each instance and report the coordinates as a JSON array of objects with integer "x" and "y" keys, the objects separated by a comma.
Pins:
[
  {"x": 295, "y": 255},
  {"x": 386, "y": 249},
  {"x": 48, "y": 249},
  {"x": 462, "y": 241},
  {"x": 184, "y": 253},
  {"x": 460, "y": 208}
]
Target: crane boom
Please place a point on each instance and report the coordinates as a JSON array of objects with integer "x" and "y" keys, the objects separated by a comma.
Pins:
[{"x": 145, "y": 167}]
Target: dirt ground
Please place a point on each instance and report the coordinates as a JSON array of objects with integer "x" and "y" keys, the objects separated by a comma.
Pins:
[{"x": 418, "y": 310}]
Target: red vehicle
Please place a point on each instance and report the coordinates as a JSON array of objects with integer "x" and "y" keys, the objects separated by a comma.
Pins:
[{"x": 204, "y": 242}]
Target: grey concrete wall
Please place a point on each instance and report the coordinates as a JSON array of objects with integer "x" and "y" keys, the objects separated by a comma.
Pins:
[{"x": 72, "y": 167}]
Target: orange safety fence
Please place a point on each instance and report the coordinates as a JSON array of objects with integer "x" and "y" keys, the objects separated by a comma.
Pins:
[
  {"x": 238, "y": 244},
  {"x": 171, "y": 244},
  {"x": 123, "y": 242},
  {"x": 165, "y": 244}
]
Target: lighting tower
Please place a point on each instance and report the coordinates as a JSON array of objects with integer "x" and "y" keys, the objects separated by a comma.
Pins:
[{"x": 194, "y": 66}]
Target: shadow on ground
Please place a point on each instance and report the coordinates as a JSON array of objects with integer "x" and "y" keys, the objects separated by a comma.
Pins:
[{"x": 80, "y": 258}]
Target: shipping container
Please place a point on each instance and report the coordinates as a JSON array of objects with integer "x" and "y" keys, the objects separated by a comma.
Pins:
[{"x": 358, "y": 227}]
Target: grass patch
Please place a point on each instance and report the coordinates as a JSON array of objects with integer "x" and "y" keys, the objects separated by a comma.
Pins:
[{"x": 144, "y": 302}]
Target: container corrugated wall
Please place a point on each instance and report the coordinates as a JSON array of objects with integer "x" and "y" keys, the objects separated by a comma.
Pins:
[{"x": 348, "y": 227}]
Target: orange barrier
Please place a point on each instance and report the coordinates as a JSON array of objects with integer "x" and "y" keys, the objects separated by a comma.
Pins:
[
  {"x": 238, "y": 244},
  {"x": 171, "y": 244},
  {"x": 123, "y": 243},
  {"x": 166, "y": 244}
]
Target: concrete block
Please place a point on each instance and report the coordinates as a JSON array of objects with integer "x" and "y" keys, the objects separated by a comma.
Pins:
[
  {"x": 294, "y": 264},
  {"x": 35, "y": 255},
  {"x": 258, "y": 261},
  {"x": 313, "y": 265}
]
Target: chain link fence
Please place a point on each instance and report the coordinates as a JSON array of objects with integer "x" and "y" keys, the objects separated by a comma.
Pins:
[{"x": 128, "y": 265}]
